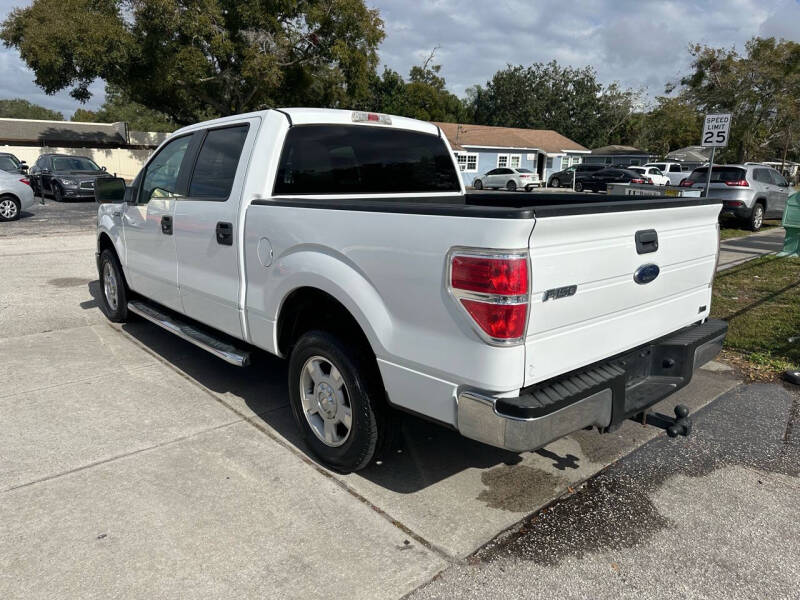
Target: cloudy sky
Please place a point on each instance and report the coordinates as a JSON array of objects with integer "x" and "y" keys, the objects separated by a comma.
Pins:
[{"x": 641, "y": 43}]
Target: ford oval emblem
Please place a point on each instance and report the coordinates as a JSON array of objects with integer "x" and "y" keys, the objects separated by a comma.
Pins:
[{"x": 646, "y": 273}]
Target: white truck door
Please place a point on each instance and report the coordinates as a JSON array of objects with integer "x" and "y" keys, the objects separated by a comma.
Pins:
[
  {"x": 207, "y": 226},
  {"x": 151, "y": 262}
]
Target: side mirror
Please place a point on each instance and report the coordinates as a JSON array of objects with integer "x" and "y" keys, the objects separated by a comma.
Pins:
[
  {"x": 109, "y": 190},
  {"x": 103, "y": 168}
]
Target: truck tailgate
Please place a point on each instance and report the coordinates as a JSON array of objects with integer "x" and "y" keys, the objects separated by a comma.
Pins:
[{"x": 609, "y": 312}]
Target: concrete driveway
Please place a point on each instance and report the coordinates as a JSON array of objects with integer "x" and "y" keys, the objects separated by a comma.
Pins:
[{"x": 133, "y": 464}]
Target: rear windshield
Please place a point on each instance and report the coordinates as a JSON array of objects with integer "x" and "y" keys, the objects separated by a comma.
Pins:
[
  {"x": 718, "y": 174},
  {"x": 360, "y": 159}
]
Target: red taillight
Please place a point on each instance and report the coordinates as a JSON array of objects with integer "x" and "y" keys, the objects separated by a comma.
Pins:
[
  {"x": 499, "y": 321},
  {"x": 501, "y": 276},
  {"x": 686, "y": 183},
  {"x": 638, "y": 180},
  {"x": 493, "y": 289},
  {"x": 524, "y": 176},
  {"x": 25, "y": 180},
  {"x": 738, "y": 183},
  {"x": 733, "y": 203}
]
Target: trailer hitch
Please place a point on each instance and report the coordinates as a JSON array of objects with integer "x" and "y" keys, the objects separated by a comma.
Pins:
[{"x": 680, "y": 425}]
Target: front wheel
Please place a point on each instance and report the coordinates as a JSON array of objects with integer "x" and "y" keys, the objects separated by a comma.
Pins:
[
  {"x": 477, "y": 184},
  {"x": 511, "y": 186},
  {"x": 337, "y": 400},
  {"x": 578, "y": 186},
  {"x": 555, "y": 182},
  {"x": 58, "y": 195},
  {"x": 113, "y": 293}
]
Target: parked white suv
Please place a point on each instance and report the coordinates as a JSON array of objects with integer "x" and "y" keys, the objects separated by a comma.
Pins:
[
  {"x": 344, "y": 242},
  {"x": 675, "y": 172}
]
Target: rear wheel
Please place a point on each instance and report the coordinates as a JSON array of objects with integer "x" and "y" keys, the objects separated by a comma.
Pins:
[
  {"x": 477, "y": 184},
  {"x": 756, "y": 217},
  {"x": 337, "y": 399},
  {"x": 511, "y": 186},
  {"x": 9, "y": 208},
  {"x": 555, "y": 182}
]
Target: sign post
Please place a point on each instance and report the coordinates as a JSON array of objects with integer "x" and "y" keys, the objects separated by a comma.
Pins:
[{"x": 716, "y": 129}]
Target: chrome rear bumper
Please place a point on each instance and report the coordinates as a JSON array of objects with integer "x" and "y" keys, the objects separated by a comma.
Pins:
[{"x": 599, "y": 396}]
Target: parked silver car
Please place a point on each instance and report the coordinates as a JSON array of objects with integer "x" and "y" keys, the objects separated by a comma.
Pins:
[
  {"x": 751, "y": 192},
  {"x": 508, "y": 179}
]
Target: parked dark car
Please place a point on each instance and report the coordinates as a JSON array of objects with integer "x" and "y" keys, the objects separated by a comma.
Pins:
[
  {"x": 11, "y": 164},
  {"x": 599, "y": 180},
  {"x": 564, "y": 178},
  {"x": 65, "y": 177}
]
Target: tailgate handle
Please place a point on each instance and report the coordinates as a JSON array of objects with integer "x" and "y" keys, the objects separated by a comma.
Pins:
[{"x": 646, "y": 241}]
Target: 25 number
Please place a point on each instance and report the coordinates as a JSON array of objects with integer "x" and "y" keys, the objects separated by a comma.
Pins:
[{"x": 709, "y": 137}]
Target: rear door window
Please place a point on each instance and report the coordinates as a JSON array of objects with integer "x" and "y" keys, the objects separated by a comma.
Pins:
[
  {"x": 674, "y": 168},
  {"x": 217, "y": 162},
  {"x": 363, "y": 159}
]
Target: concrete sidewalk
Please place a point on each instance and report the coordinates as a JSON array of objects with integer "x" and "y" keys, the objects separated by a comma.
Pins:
[{"x": 736, "y": 251}]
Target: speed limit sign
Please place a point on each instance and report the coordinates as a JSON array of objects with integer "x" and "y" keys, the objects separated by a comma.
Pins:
[{"x": 716, "y": 129}]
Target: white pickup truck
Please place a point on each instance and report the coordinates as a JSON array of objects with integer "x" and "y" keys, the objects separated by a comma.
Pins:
[{"x": 345, "y": 242}]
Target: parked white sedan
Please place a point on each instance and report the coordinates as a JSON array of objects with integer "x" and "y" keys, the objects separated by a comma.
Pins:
[
  {"x": 653, "y": 174},
  {"x": 16, "y": 195}
]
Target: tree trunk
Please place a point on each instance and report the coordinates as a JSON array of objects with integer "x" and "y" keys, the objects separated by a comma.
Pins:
[{"x": 785, "y": 151}]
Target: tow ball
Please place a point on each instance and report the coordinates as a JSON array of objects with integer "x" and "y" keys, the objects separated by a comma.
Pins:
[{"x": 680, "y": 425}]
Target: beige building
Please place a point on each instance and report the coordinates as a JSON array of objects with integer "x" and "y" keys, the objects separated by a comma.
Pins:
[{"x": 110, "y": 145}]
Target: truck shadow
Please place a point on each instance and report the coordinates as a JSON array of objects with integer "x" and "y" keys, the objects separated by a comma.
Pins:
[{"x": 420, "y": 454}]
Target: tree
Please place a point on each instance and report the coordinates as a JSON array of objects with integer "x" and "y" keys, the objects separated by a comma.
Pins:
[
  {"x": 18, "y": 108},
  {"x": 193, "y": 60},
  {"x": 548, "y": 96},
  {"x": 673, "y": 123},
  {"x": 117, "y": 107},
  {"x": 760, "y": 88},
  {"x": 423, "y": 97}
]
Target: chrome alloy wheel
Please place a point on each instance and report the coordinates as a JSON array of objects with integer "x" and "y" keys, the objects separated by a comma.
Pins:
[
  {"x": 326, "y": 402},
  {"x": 8, "y": 208},
  {"x": 110, "y": 286},
  {"x": 758, "y": 216}
]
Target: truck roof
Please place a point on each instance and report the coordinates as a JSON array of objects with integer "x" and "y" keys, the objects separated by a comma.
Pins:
[{"x": 309, "y": 116}]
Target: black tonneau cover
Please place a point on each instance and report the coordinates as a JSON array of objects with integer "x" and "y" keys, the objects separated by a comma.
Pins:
[{"x": 493, "y": 205}]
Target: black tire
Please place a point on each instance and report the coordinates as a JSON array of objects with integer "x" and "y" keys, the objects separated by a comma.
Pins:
[
  {"x": 529, "y": 187},
  {"x": 363, "y": 391},
  {"x": 477, "y": 184},
  {"x": 756, "y": 219},
  {"x": 578, "y": 186},
  {"x": 511, "y": 186},
  {"x": 9, "y": 208},
  {"x": 58, "y": 195},
  {"x": 555, "y": 182},
  {"x": 114, "y": 303}
]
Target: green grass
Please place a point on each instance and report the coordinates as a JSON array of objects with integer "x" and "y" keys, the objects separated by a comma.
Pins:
[
  {"x": 761, "y": 302},
  {"x": 733, "y": 229}
]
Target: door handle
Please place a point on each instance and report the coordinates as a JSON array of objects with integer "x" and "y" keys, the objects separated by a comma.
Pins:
[
  {"x": 225, "y": 234},
  {"x": 166, "y": 225}
]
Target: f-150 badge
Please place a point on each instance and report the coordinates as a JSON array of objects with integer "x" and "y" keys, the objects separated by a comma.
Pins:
[{"x": 562, "y": 292}]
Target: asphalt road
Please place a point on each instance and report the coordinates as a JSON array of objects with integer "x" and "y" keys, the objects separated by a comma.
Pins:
[
  {"x": 714, "y": 515},
  {"x": 53, "y": 218}
]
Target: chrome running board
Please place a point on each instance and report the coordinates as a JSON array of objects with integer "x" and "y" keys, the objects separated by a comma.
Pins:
[{"x": 201, "y": 339}]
